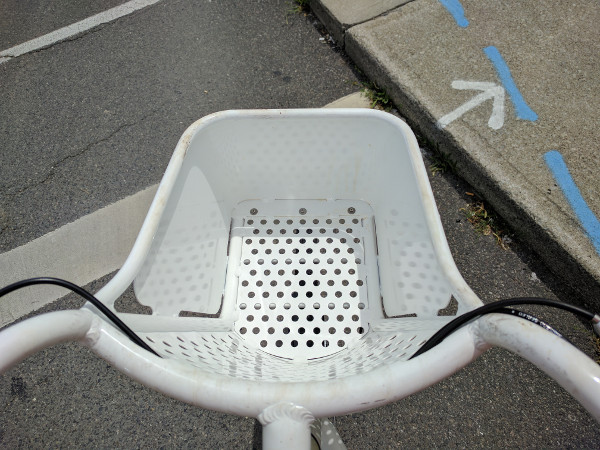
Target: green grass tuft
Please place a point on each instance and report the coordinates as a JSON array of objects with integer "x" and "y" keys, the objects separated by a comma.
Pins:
[
  {"x": 377, "y": 96},
  {"x": 486, "y": 223},
  {"x": 300, "y": 6}
]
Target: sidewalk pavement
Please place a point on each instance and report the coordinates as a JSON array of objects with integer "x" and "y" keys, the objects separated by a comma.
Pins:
[{"x": 509, "y": 92}]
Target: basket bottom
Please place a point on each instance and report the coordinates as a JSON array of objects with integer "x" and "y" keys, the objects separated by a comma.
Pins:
[{"x": 304, "y": 272}]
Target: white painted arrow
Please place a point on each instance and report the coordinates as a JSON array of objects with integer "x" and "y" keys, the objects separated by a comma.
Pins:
[{"x": 490, "y": 90}]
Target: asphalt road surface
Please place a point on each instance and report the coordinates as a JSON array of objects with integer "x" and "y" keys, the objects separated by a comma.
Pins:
[
  {"x": 86, "y": 122},
  {"x": 89, "y": 121}
]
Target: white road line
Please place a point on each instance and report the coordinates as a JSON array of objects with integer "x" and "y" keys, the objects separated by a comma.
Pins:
[
  {"x": 81, "y": 251},
  {"x": 74, "y": 29}
]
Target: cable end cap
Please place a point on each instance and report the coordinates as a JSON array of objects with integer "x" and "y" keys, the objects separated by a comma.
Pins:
[{"x": 596, "y": 324}]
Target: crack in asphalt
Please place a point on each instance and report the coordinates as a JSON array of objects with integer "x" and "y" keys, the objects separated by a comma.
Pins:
[
  {"x": 53, "y": 169},
  {"x": 76, "y": 37}
]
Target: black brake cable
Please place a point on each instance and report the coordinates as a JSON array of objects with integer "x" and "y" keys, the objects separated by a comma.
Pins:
[
  {"x": 86, "y": 295},
  {"x": 532, "y": 319},
  {"x": 453, "y": 325},
  {"x": 439, "y": 336}
]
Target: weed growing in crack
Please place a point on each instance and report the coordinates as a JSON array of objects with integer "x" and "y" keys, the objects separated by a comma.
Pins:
[
  {"x": 486, "y": 223},
  {"x": 377, "y": 96},
  {"x": 441, "y": 162},
  {"x": 300, "y": 6}
]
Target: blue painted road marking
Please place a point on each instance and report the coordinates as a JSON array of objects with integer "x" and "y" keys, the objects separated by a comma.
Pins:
[
  {"x": 588, "y": 220},
  {"x": 455, "y": 8},
  {"x": 522, "y": 109}
]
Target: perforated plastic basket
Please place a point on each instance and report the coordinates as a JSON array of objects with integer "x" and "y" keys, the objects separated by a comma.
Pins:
[{"x": 311, "y": 238}]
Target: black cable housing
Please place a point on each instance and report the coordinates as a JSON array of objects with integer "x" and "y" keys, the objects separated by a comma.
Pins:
[
  {"x": 532, "y": 319},
  {"x": 86, "y": 295},
  {"x": 452, "y": 326}
]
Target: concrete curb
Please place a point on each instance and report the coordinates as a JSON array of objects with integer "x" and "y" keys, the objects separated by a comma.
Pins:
[
  {"x": 340, "y": 15},
  {"x": 533, "y": 218},
  {"x": 561, "y": 259}
]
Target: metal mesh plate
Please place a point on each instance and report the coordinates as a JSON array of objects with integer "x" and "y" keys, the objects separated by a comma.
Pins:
[{"x": 302, "y": 286}]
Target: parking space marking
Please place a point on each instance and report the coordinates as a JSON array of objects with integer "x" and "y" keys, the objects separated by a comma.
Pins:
[
  {"x": 587, "y": 218},
  {"x": 522, "y": 109},
  {"x": 74, "y": 29}
]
